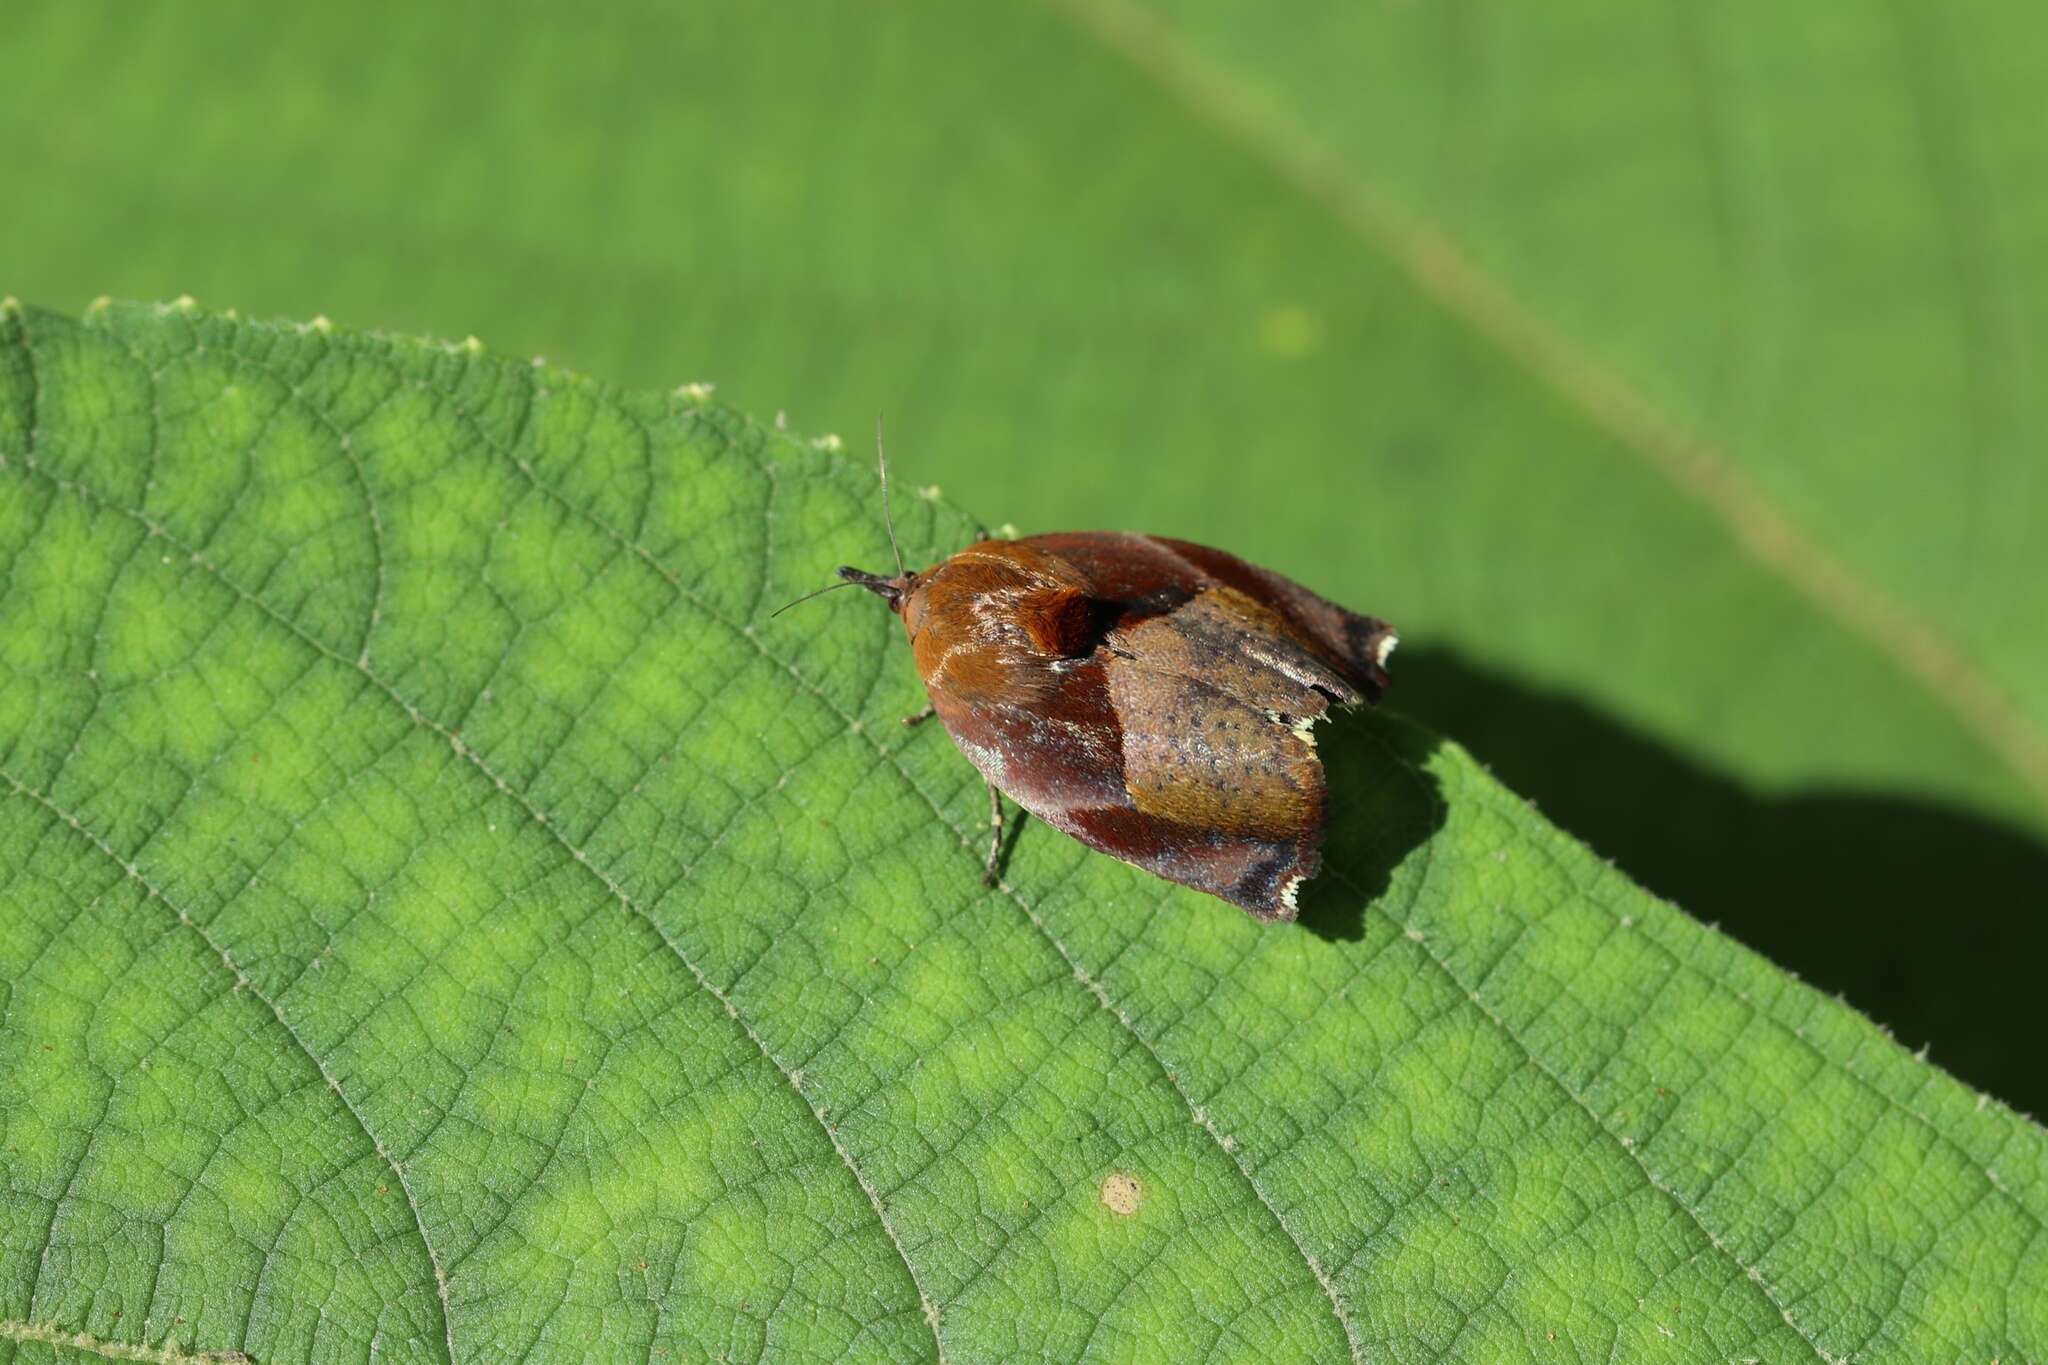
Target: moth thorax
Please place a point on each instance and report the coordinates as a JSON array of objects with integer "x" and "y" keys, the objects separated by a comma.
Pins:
[{"x": 990, "y": 623}]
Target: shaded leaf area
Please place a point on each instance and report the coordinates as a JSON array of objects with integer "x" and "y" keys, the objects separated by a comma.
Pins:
[
  {"x": 1918, "y": 913},
  {"x": 443, "y": 917}
]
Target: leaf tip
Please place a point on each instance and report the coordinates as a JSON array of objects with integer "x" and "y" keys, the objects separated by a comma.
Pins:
[{"x": 696, "y": 393}]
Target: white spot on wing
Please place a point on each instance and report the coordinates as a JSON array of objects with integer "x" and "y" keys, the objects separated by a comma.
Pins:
[
  {"x": 1387, "y": 643},
  {"x": 1302, "y": 726}
]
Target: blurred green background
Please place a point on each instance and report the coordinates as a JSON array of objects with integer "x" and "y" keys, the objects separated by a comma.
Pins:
[{"x": 1671, "y": 376}]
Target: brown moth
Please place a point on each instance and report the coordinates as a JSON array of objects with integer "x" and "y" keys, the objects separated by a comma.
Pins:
[{"x": 1151, "y": 697}]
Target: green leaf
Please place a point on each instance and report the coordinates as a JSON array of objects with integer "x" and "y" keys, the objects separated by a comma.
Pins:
[
  {"x": 1664, "y": 372},
  {"x": 442, "y": 916},
  {"x": 1817, "y": 311}
]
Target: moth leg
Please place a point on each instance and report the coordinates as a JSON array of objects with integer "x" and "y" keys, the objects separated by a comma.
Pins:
[
  {"x": 920, "y": 718},
  {"x": 995, "y": 835}
]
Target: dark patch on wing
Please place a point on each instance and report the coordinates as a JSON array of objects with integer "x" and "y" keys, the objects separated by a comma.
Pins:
[{"x": 1253, "y": 874}]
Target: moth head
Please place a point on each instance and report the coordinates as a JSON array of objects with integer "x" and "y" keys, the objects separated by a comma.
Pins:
[
  {"x": 895, "y": 591},
  {"x": 898, "y": 592}
]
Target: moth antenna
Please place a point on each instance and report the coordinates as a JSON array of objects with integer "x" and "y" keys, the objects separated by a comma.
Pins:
[
  {"x": 888, "y": 522},
  {"x": 820, "y": 592}
]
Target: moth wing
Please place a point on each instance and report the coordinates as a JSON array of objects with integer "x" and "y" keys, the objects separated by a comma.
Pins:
[
  {"x": 1165, "y": 572},
  {"x": 1180, "y": 742},
  {"x": 1175, "y": 750}
]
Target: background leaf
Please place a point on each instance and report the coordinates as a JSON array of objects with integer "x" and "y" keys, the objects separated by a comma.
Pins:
[
  {"x": 443, "y": 917},
  {"x": 1670, "y": 376}
]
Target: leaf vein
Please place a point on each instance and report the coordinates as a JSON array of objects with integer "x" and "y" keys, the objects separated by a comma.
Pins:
[
  {"x": 244, "y": 982},
  {"x": 1529, "y": 1054},
  {"x": 50, "y": 1334},
  {"x": 578, "y": 856}
]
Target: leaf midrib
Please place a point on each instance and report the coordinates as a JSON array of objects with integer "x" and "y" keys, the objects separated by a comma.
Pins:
[
  {"x": 53, "y": 1336},
  {"x": 1693, "y": 466}
]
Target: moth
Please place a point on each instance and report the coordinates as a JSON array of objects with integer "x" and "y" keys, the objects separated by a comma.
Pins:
[{"x": 1151, "y": 697}]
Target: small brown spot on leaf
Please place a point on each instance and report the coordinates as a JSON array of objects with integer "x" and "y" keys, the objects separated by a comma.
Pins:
[{"x": 1121, "y": 1194}]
